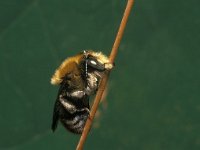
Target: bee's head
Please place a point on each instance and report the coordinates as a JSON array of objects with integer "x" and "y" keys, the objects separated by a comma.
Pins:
[{"x": 96, "y": 61}]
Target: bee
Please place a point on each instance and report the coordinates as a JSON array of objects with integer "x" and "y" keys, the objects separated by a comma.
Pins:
[{"x": 78, "y": 77}]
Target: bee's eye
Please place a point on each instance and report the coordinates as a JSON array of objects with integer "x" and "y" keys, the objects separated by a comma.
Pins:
[{"x": 93, "y": 62}]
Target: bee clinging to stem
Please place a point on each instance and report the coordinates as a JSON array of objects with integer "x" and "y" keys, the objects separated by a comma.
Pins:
[{"x": 79, "y": 77}]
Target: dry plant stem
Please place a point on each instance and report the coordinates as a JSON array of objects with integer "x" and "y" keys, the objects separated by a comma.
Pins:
[{"x": 105, "y": 78}]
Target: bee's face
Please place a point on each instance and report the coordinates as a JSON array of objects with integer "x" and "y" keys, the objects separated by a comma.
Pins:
[
  {"x": 96, "y": 61},
  {"x": 94, "y": 64}
]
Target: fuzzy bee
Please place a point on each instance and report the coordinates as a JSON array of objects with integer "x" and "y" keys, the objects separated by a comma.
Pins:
[{"x": 79, "y": 78}]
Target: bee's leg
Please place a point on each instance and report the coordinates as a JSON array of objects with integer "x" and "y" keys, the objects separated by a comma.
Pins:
[{"x": 85, "y": 110}]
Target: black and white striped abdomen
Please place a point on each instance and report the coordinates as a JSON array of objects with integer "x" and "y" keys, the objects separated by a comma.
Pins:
[
  {"x": 74, "y": 113},
  {"x": 71, "y": 108},
  {"x": 76, "y": 122}
]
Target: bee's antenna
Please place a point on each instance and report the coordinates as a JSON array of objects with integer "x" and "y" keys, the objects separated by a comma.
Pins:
[
  {"x": 86, "y": 63},
  {"x": 84, "y": 51}
]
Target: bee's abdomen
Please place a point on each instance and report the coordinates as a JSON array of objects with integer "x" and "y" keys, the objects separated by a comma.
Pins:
[{"x": 76, "y": 122}]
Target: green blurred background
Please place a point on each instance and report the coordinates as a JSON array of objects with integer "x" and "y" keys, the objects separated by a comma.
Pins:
[{"x": 153, "y": 98}]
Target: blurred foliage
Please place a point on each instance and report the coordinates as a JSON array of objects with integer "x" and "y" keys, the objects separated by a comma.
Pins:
[{"x": 154, "y": 98}]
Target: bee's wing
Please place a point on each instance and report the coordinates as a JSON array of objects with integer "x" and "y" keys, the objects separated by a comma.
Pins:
[
  {"x": 56, "y": 111},
  {"x": 55, "y": 115}
]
